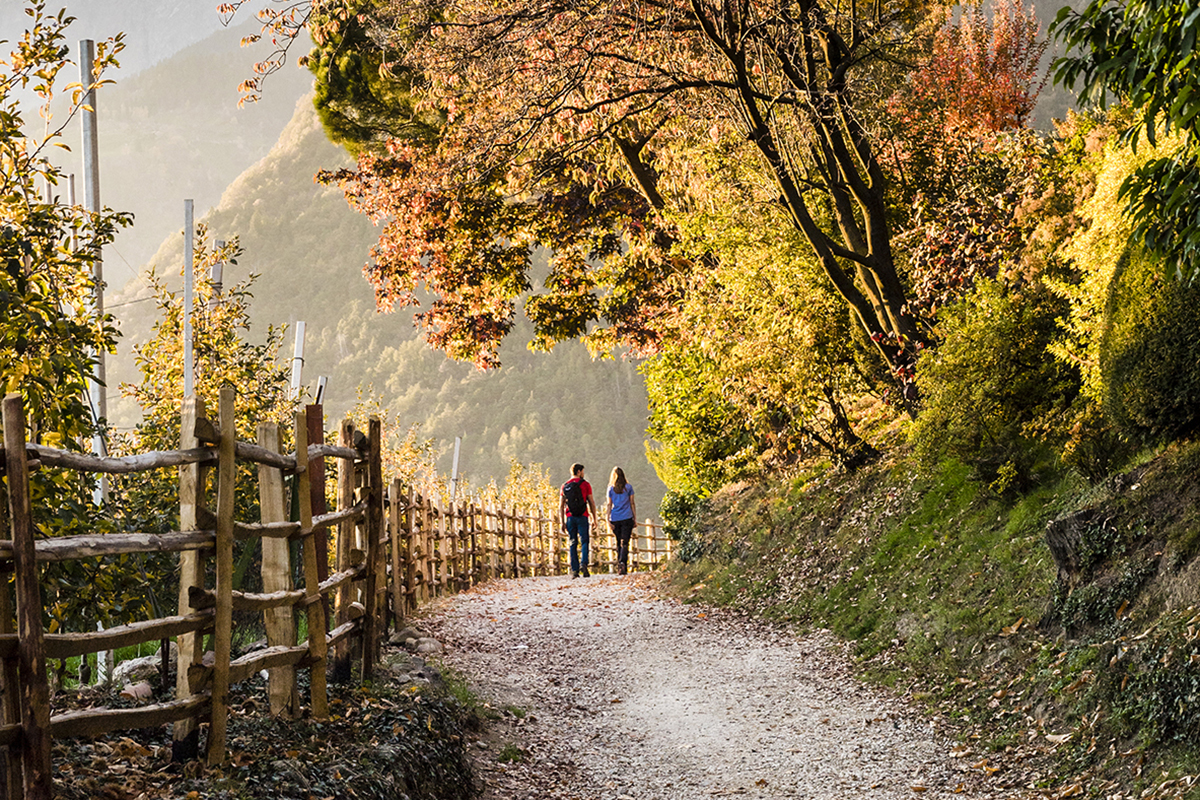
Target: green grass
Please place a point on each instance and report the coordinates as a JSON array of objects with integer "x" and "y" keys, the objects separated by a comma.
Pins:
[{"x": 511, "y": 754}]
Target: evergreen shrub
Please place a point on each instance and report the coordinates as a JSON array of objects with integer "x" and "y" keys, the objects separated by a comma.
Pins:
[{"x": 1150, "y": 354}]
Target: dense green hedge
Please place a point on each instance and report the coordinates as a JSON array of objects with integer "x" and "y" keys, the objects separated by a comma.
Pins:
[{"x": 1150, "y": 355}]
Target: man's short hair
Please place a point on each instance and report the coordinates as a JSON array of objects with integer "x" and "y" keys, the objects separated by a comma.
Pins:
[{"x": 576, "y": 469}]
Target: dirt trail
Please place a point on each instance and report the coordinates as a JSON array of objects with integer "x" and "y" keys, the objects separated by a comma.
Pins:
[{"x": 615, "y": 693}]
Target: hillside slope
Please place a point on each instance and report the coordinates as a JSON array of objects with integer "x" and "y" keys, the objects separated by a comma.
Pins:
[{"x": 1059, "y": 626}]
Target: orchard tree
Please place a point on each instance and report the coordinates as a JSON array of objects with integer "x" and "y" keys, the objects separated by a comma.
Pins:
[
  {"x": 223, "y": 354},
  {"x": 48, "y": 332}
]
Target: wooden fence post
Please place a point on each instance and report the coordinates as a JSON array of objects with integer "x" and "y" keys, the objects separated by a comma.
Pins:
[
  {"x": 635, "y": 548},
  {"x": 429, "y": 587},
  {"x": 374, "y": 532},
  {"x": 314, "y": 416},
  {"x": 345, "y": 544},
  {"x": 496, "y": 540},
  {"x": 410, "y": 552},
  {"x": 522, "y": 544},
  {"x": 31, "y": 646},
  {"x": 276, "y": 577},
  {"x": 314, "y": 609},
  {"x": 485, "y": 542},
  {"x": 185, "y": 734},
  {"x": 223, "y": 622},
  {"x": 449, "y": 549},
  {"x": 472, "y": 542},
  {"x": 556, "y": 541},
  {"x": 10, "y": 689},
  {"x": 450, "y": 544},
  {"x": 396, "y": 515},
  {"x": 437, "y": 550}
]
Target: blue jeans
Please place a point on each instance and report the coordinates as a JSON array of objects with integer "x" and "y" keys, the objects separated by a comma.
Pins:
[{"x": 577, "y": 532}]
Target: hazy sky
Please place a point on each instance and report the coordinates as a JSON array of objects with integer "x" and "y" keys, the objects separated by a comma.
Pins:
[{"x": 154, "y": 29}]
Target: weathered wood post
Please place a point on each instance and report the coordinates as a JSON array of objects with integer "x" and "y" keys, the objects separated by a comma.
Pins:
[
  {"x": 374, "y": 533},
  {"x": 450, "y": 544},
  {"x": 555, "y": 527},
  {"x": 428, "y": 585},
  {"x": 410, "y": 552},
  {"x": 635, "y": 548},
  {"x": 31, "y": 647},
  {"x": 473, "y": 533},
  {"x": 438, "y": 550},
  {"x": 10, "y": 688},
  {"x": 276, "y": 577},
  {"x": 396, "y": 516},
  {"x": 485, "y": 540},
  {"x": 314, "y": 415},
  {"x": 496, "y": 539},
  {"x": 314, "y": 609},
  {"x": 223, "y": 621},
  {"x": 520, "y": 542},
  {"x": 345, "y": 544},
  {"x": 185, "y": 734},
  {"x": 501, "y": 538}
]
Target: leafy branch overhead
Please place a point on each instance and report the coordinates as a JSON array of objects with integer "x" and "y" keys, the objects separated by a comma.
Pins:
[{"x": 489, "y": 134}]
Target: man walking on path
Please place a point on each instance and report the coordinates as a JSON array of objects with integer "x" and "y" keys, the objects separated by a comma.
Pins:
[{"x": 575, "y": 498}]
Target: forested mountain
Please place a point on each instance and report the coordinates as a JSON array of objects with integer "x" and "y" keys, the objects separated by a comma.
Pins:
[{"x": 174, "y": 131}]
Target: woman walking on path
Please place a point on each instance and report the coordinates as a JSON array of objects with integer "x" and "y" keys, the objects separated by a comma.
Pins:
[{"x": 621, "y": 512}]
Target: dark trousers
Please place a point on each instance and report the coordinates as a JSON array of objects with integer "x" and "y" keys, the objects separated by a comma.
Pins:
[{"x": 623, "y": 530}]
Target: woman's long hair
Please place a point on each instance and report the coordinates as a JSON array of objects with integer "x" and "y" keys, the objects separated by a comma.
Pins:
[{"x": 617, "y": 480}]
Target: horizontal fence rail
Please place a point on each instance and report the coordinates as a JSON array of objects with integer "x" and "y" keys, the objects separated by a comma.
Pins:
[{"x": 362, "y": 566}]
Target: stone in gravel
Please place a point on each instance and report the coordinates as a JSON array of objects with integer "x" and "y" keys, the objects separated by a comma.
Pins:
[
  {"x": 402, "y": 663},
  {"x": 427, "y": 675},
  {"x": 427, "y": 645},
  {"x": 401, "y": 636}
]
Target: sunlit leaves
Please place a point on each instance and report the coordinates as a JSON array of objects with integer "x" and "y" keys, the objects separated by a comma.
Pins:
[
  {"x": 48, "y": 335},
  {"x": 1144, "y": 52}
]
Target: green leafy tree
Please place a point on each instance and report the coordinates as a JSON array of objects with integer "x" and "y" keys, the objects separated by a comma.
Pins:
[
  {"x": 1144, "y": 53},
  {"x": 361, "y": 98},
  {"x": 1108, "y": 292},
  {"x": 223, "y": 354},
  {"x": 48, "y": 334},
  {"x": 703, "y": 439},
  {"x": 781, "y": 343},
  {"x": 1150, "y": 354}
]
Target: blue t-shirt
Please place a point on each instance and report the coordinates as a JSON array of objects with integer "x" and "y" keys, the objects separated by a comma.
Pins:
[{"x": 620, "y": 503}]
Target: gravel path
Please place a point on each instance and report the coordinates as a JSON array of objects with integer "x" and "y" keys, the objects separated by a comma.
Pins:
[{"x": 613, "y": 692}]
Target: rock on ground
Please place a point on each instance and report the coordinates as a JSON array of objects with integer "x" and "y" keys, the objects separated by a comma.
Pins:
[{"x": 605, "y": 690}]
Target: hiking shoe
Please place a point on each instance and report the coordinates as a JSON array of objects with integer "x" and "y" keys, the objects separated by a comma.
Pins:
[
  {"x": 574, "y": 574},
  {"x": 584, "y": 572}
]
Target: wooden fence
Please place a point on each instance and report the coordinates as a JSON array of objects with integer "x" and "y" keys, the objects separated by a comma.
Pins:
[{"x": 369, "y": 562}]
